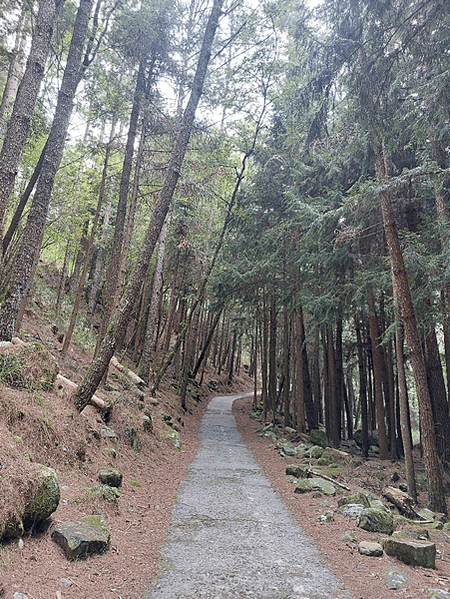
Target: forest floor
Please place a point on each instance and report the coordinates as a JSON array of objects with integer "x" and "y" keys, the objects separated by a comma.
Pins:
[{"x": 45, "y": 428}]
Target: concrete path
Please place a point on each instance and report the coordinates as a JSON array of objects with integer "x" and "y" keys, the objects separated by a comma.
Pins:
[{"x": 231, "y": 536}]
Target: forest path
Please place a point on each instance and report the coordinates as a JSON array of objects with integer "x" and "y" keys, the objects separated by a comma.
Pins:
[{"x": 230, "y": 535}]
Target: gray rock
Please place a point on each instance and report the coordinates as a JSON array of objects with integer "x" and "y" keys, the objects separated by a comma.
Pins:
[
  {"x": 19, "y": 596},
  {"x": 315, "y": 484},
  {"x": 396, "y": 579},
  {"x": 288, "y": 450},
  {"x": 370, "y": 549},
  {"x": 315, "y": 452},
  {"x": 436, "y": 594},
  {"x": 107, "y": 432},
  {"x": 349, "y": 537},
  {"x": 411, "y": 552},
  {"x": 80, "y": 540},
  {"x": 45, "y": 497},
  {"x": 66, "y": 582},
  {"x": 375, "y": 520},
  {"x": 357, "y": 498},
  {"x": 111, "y": 477},
  {"x": 326, "y": 517},
  {"x": 377, "y": 504},
  {"x": 426, "y": 514},
  {"x": 109, "y": 493},
  {"x": 351, "y": 510}
]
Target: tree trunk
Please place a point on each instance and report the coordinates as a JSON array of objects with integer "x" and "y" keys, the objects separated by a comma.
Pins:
[
  {"x": 98, "y": 367},
  {"x": 20, "y": 121},
  {"x": 150, "y": 337},
  {"x": 362, "y": 387},
  {"x": 377, "y": 377},
  {"x": 438, "y": 394},
  {"x": 15, "y": 70},
  {"x": 405, "y": 423},
  {"x": 112, "y": 276},
  {"x": 31, "y": 241},
  {"x": 433, "y": 466}
]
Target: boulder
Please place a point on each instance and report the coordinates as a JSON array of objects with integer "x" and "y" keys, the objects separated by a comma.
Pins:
[
  {"x": 412, "y": 553},
  {"x": 315, "y": 484},
  {"x": 111, "y": 477},
  {"x": 426, "y": 514},
  {"x": 370, "y": 549},
  {"x": 315, "y": 452},
  {"x": 326, "y": 517},
  {"x": 375, "y": 520},
  {"x": 78, "y": 540},
  {"x": 357, "y": 498},
  {"x": 349, "y": 537},
  {"x": 395, "y": 579},
  {"x": 45, "y": 497},
  {"x": 295, "y": 470},
  {"x": 318, "y": 437}
]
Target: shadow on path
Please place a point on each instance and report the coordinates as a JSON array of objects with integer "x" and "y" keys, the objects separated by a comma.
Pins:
[{"x": 230, "y": 535}]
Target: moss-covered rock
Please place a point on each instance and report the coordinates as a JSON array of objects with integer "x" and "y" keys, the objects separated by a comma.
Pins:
[
  {"x": 111, "y": 477},
  {"x": 296, "y": 470},
  {"x": 315, "y": 484},
  {"x": 318, "y": 437},
  {"x": 375, "y": 520},
  {"x": 411, "y": 552},
  {"x": 78, "y": 540},
  {"x": 359, "y": 498},
  {"x": 45, "y": 497}
]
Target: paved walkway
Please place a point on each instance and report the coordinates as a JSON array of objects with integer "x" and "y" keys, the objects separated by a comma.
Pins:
[{"x": 230, "y": 535}]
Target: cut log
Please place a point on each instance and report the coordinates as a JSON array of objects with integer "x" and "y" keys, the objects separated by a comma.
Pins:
[
  {"x": 402, "y": 501},
  {"x": 133, "y": 376},
  {"x": 95, "y": 401}
]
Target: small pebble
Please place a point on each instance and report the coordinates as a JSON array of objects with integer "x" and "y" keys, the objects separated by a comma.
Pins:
[{"x": 66, "y": 582}]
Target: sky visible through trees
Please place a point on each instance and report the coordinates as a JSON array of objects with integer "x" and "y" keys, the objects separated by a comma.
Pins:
[{"x": 258, "y": 185}]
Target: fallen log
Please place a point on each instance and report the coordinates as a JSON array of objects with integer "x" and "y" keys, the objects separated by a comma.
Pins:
[
  {"x": 95, "y": 401},
  {"x": 133, "y": 376},
  {"x": 402, "y": 501}
]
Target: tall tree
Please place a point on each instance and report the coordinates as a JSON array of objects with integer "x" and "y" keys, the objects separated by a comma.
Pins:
[{"x": 115, "y": 331}]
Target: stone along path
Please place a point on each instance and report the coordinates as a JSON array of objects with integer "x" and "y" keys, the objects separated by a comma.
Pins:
[{"x": 230, "y": 535}]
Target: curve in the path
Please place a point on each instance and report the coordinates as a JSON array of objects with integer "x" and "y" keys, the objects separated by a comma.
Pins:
[{"x": 231, "y": 536}]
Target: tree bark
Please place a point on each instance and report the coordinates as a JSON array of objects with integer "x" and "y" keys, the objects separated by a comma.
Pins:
[
  {"x": 119, "y": 323},
  {"x": 377, "y": 378},
  {"x": 433, "y": 466},
  {"x": 20, "y": 121}
]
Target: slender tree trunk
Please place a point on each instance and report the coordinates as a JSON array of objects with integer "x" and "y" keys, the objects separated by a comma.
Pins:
[
  {"x": 405, "y": 423},
  {"x": 98, "y": 367},
  {"x": 150, "y": 337},
  {"x": 15, "y": 70},
  {"x": 63, "y": 278},
  {"x": 286, "y": 366},
  {"x": 362, "y": 387},
  {"x": 31, "y": 240},
  {"x": 377, "y": 377},
  {"x": 112, "y": 276}
]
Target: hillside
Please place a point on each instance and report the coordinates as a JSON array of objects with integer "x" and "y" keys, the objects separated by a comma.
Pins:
[{"x": 43, "y": 427}]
